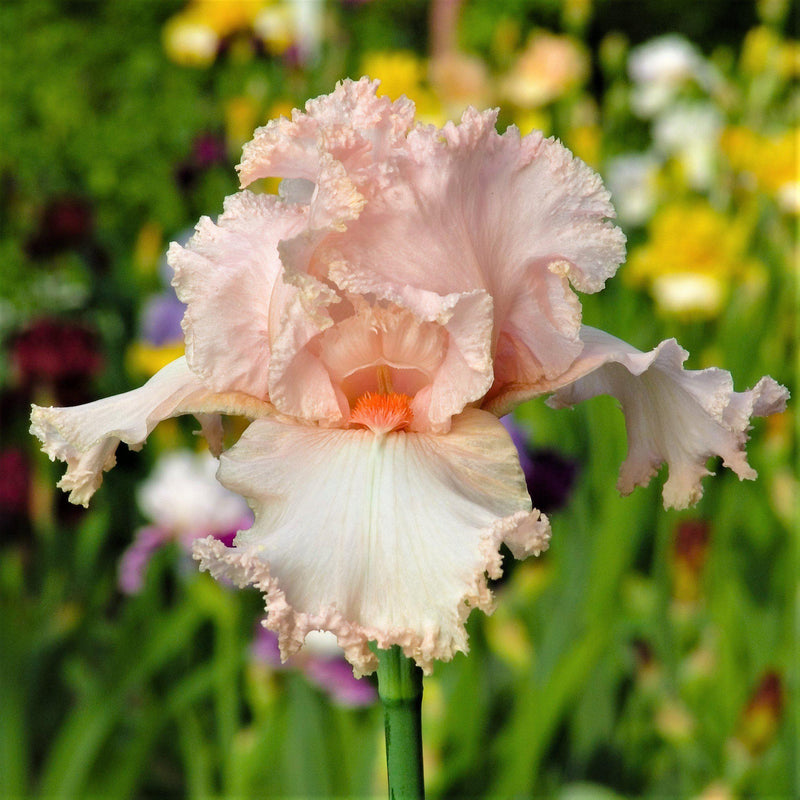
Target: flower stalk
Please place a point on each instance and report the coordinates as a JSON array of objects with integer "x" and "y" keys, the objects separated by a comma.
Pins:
[{"x": 400, "y": 690}]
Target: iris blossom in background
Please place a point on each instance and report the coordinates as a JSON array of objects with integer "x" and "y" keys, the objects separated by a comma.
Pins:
[
  {"x": 407, "y": 287},
  {"x": 183, "y": 501},
  {"x": 321, "y": 662}
]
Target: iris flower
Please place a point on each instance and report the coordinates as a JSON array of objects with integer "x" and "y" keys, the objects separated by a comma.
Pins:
[{"x": 407, "y": 287}]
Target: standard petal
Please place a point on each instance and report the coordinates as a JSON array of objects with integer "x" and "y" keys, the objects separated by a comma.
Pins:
[
  {"x": 352, "y": 125},
  {"x": 86, "y": 437},
  {"x": 672, "y": 415},
  {"x": 248, "y": 319},
  {"x": 442, "y": 225},
  {"x": 376, "y": 538},
  {"x": 229, "y": 275}
]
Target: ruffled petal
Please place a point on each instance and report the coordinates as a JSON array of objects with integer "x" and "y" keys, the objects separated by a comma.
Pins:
[
  {"x": 248, "y": 318},
  {"x": 375, "y": 538},
  {"x": 230, "y": 277},
  {"x": 418, "y": 216},
  {"x": 442, "y": 226},
  {"x": 352, "y": 125},
  {"x": 465, "y": 372},
  {"x": 86, "y": 437},
  {"x": 672, "y": 415}
]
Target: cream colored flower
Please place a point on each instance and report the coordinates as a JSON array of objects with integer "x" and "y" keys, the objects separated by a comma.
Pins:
[{"x": 550, "y": 66}]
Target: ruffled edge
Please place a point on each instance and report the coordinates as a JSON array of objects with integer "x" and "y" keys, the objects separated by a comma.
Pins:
[
  {"x": 86, "y": 437},
  {"x": 672, "y": 415},
  {"x": 352, "y": 124},
  {"x": 525, "y": 533}
]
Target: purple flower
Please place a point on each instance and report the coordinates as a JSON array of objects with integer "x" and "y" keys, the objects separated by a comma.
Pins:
[
  {"x": 183, "y": 501},
  {"x": 549, "y": 475},
  {"x": 161, "y": 319},
  {"x": 323, "y": 664}
]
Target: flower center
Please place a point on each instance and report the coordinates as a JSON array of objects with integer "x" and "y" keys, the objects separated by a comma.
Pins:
[{"x": 383, "y": 411}]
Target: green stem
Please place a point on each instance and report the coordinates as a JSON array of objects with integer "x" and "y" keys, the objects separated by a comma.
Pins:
[{"x": 400, "y": 690}]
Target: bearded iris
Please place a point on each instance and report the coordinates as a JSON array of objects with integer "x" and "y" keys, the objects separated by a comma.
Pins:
[{"x": 407, "y": 287}]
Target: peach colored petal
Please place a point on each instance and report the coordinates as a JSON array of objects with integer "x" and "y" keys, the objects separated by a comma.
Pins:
[
  {"x": 376, "y": 538},
  {"x": 441, "y": 344},
  {"x": 353, "y": 125},
  {"x": 229, "y": 276},
  {"x": 674, "y": 416},
  {"x": 443, "y": 226},
  {"x": 86, "y": 437},
  {"x": 248, "y": 319},
  {"x": 547, "y": 306}
]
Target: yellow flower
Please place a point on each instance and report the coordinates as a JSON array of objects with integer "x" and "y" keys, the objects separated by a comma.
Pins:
[
  {"x": 227, "y": 16},
  {"x": 147, "y": 359},
  {"x": 192, "y": 36},
  {"x": 190, "y": 41},
  {"x": 770, "y": 162},
  {"x": 275, "y": 27},
  {"x": 149, "y": 248},
  {"x": 534, "y": 119},
  {"x": 402, "y": 72},
  {"x": 692, "y": 254},
  {"x": 242, "y": 115},
  {"x": 764, "y": 50}
]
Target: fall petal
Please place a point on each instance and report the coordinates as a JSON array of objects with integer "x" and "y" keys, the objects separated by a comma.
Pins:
[
  {"x": 86, "y": 436},
  {"x": 382, "y": 538},
  {"x": 674, "y": 416}
]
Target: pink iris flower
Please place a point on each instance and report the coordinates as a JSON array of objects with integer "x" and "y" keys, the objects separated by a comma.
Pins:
[{"x": 407, "y": 287}]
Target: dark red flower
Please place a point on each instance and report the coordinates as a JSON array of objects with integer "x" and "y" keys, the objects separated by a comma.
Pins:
[
  {"x": 762, "y": 714},
  {"x": 59, "y": 354},
  {"x": 65, "y": 223},
  {"x": 691, "y": 543},
  {"x": 689, "y": 554},
  {"x": 14, "y": 482}
]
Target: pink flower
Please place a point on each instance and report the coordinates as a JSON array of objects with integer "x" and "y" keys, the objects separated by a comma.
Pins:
[{"x": 407, "y": 287}]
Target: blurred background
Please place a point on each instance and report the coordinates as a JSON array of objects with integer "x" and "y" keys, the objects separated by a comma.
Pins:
[{"x": 647, "y": 654}]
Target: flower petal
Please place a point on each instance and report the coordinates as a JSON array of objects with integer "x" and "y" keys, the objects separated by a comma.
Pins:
[
  {"x": 352, "y": 125},
  {"x": 229, "y": 275},
  {"x": 465, "y": 372},
  {"x": 86, "y": 436},
  {"x": 442, "y": 226},
  {"x": 384, "y": 538},
  {"x": 674, "y": 416},
  {"x": 248, "y": 319}
]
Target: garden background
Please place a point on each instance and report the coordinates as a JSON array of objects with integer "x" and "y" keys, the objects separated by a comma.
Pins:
[{"x": 647, "y": 654}]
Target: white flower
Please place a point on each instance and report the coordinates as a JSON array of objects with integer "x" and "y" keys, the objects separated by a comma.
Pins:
[
  {"x": 690, "y": 133},
  {"x": 660, "y": 68},
  {"x": 183, "y": 496},
  {"x": 632, "y": 179}
]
